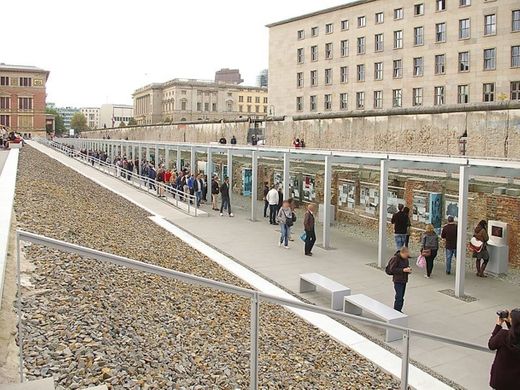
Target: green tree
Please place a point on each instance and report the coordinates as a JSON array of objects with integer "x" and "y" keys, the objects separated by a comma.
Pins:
[
  {"x": 59, "y": 127},
  {"x": 132, "y": 122},
  {"x": 78, "y": 122}
]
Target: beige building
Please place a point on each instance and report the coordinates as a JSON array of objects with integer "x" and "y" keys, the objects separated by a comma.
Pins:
[
  {"x": 112, "y": 115},
  {"x": 180, "y": 100},
  {"x": 92, "y": 115},
  {"x": 375, "y": 54}
]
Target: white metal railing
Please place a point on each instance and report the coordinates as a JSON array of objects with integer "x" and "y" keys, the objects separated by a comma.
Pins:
[
  {"x": 255, "y": 297},
  {"x": 171, "y": 195}
]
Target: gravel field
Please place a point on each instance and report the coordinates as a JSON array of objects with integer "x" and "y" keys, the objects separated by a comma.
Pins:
[{"x": 87, "y": 322}]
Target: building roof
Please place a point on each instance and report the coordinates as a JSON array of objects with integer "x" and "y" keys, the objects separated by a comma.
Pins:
[
  {"x": 197, "y": 83},
  {"x": 24, "y": 68},
  {"x": 320, "y": 12}
]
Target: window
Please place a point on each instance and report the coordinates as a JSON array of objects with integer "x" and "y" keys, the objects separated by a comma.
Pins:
[
  {"x": 344, "y": 25},
  {"x": 329, "y": 28},
  {"x": 5, "y": 103},
  {"x": 206, "y": 106},
  {"x": 378, "y": 99},
  {"x": 488, "y": 92},
  {"x": 4, "y": 80},
  {"x": 464, "y": 3},
  {"x": 240, "y": 108},
  {"x": 398, "y": 39},
  {"x": 440, "y": 5},
  {"x": 438, "y": 96},
  {"x": 343, "y": 101},
  {"x": 418, "y": 9},
  {"x": 379, "y": 43},
  {"x": 25, "y": 82},
  {"x": 5, "y": 120},
  {"x": 515, "y": 56},
  {"x": 248, "y": 108},
  {"x": 398, "y": 13},
  {"x": 380, "y": 17},
  {"x": 250, "y": 99},
  {"x": 25, "y": 103},
  {"x": 398, "y": 69},
  {"x": 314, "y": 31},
  {"x": 397, "y": 98},
  {"x": 464, "y": 29},
  {"x": 313, "y": 102},
  {"x": 214, "y": 107},
  {"x": 417, "y": 96},
  {"x": 257, "y": 99},
  {"x": 344, "y": 48},
  {"x": 489, "y": 59},
  {"x": 328, "y": 76},
  {"x": 515, "y": 90},
  {"x": 328, "y": 51},
  {"x": 299, "y": 103},
  {"x": 361, "y": 45},
  {"x": 265, "y": 109},
  {"x": 25, "y": 121},
  {"x": 199, "y": 106},
  {"x": 418, "y": 66},
  {"x": 515, "y": 24},
  {"x": 240, "y": 99},
  {"x": 463, "y": 94},
  {"x": 314, "y": 78},
  {"x": 440, "y": 32},
  {"x": 265, "y": 100},
  {"x": 301, "y": 34},
  {"x": 378, "y": 71},
  {"x": 440, "y": 64},
  {"x": 418, "y": 36},
  {"x": 361, "y": 72},
  {"x": 300, "y": 56},
  {"x": 257, "y": 109},
  {"x": 314, "y": 53},
  {"x": 360, "y": 100},
  {"x": 327, "y": 103},
  {"x": 343, "y": 72},
  {"x": 361, "y": 21},
  {"x": 183, "y": 105},
  {"x": 299, "y": 79},
  {"x": 464, "y": 61},
  {"x": 490, "y": 24}
]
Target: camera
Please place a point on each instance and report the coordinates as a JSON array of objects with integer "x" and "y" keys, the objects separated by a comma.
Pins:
[{"x": 502, "y": 314}]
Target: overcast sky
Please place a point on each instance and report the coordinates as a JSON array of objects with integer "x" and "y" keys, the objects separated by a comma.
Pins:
[{"x": 100, "y": 51}]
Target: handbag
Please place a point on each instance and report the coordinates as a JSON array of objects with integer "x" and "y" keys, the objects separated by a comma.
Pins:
[
  {"x": 421, "y": 261},
  {"x": 475, "y": 245},
  {"x": 426, "y": 252},
  {"x": 303, "y": 236}
]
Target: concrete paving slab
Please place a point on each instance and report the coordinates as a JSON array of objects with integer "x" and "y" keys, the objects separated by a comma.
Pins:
[{"x": 41, "y": 384}]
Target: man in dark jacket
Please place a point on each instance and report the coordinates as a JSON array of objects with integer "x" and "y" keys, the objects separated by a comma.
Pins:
[
  {"x": 214, "y": 192},
  {"x": 400, "y": 222},
  {"x": 308, "y": 226},
  {"x": 224, "y": 194},
  {"x": 449, "y": 233},
  {"x": 399, "y": 268},
  {"x": 266, "y": 203}
]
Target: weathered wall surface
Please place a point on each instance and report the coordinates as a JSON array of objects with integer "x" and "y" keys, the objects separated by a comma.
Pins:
[{"x": 490, "y": 133}]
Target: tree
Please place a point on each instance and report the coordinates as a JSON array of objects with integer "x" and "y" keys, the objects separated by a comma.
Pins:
[
  {"x": 59, "y": 127},
  {"x": 78, "y": 122},
  {"x": 132, "y": 122}
]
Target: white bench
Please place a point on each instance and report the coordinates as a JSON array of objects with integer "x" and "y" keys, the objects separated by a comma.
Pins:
[
  {"x": 308, "y": 283},
  {"x": 356, "y": 304}
]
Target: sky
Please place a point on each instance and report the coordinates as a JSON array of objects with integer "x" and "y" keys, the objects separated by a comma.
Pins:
[{"x": 100, "y": 51}]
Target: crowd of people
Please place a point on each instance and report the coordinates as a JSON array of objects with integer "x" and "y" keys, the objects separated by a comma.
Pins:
[{"x": 298, "y": 143}]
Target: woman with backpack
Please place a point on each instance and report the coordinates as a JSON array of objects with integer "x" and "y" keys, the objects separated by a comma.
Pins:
[
  {"x": 482, "y": 256},
  {"x": 285, "y": 220},
  {"x": 429, "y": 248}
]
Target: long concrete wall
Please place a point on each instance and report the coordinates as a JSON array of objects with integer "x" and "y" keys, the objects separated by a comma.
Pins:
[{"x": 492, "y": 131}]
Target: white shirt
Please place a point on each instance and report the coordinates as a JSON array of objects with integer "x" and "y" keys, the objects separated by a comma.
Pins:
[{"x": 272, "y": 197}]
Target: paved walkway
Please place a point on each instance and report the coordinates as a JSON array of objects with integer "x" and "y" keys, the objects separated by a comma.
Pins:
[{"x": 255, "y": 244}]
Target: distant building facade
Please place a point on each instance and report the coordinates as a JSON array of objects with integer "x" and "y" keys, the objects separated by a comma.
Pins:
[
  {"x": 228, "y": 76},
  {"x": 66, "y": 114},
  {"x": 92, "y": 116},
  {"x": 22, "y": 98},
  {"x": 374, "y": 54},
  {"x": 112, "y": 115},
  {"x": 262, "y": 80},
  {"x": 181, "y": 100}
]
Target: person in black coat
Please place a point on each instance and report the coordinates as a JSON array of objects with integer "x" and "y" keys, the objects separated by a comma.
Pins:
[
  {"x": 505, "y": 371},
  {"x": 224, "y": 195},
  {"x": 399, "y": 268}
]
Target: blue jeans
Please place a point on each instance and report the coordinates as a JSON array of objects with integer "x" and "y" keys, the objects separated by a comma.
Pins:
[
  {"x": 198, "y": 197},
  {"x": 400, "y": 240},
  {"x": 284, "y": 238},
  {"x": 449, "y": 255},
  {"x": 400, "y": 289}
]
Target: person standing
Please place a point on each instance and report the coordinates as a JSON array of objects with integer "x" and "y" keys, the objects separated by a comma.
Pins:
[
  {"x": 481, "y": 257},
  {"x": 400, "y": 222},
  {"x": 505, "y": 371},
  {"x": 280, "y": 198},
  {"x": 233, "y": 140},
  {"x": 449, "y": 234},
  {"x": 224, "y": 195},
  {"x": 309, "y": 227},
  {"x": 429, "y": 248},
  {"x": 272, "y": 199},
  {"x": 214, "y": 192},
  {"x": 266, "y": 203},
  {"x": 406, "y": 210},
  {"x": 285, "y": 219},
  {"x": 197, "y": 189},
  {"x": 399, "y": 268}
]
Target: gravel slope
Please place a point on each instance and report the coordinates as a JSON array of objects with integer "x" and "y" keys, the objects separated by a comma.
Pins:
[{"x": 91, "y": 323}]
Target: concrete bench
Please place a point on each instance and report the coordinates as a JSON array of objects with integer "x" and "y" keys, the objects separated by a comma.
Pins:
[
  {"x": 356, "y": 304},
  {"x": 308, "y": 283}
]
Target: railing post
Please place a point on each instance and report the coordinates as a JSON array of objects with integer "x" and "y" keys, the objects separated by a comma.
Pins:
[
  {"x": 255, "y": 324},
  {"x": 405, "y": 360},
  {"x": 19, "y": 304}
]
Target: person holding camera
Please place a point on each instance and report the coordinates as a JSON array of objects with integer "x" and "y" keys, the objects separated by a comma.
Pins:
[{"x": 505, "y": 371}]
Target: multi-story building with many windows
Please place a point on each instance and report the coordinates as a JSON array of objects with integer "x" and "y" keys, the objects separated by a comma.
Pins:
[
  {"x": 375, "y": 54},
  {"x": 92, "y": 116},
  {"x": 22, "y": 98}
]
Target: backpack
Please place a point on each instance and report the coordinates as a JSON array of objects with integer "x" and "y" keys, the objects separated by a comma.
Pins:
[{"x": 389, "y": 266}]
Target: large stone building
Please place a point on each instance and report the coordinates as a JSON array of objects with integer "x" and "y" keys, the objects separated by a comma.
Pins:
[
  {"x": 374, "y": 54},
  {"x": 112, "y": 115},
  {"x": 228, "y": 76},
  {"x": 92, "y": 116},
  {"x": 180, "y": 100},
  {"x": 22, "y": 98}
]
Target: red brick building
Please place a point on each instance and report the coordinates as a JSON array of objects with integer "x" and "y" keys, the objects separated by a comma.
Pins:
[{"x": 22, "y": 98}]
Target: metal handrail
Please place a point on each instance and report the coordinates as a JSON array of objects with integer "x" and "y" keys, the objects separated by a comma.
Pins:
[
  {"x": 255, "y": 296},
  {"x": 142, "y": 181}
]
